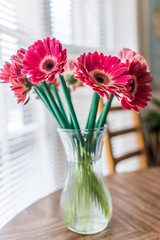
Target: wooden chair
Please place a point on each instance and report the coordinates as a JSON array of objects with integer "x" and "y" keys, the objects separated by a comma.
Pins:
[{"x": 136, "y": 128}]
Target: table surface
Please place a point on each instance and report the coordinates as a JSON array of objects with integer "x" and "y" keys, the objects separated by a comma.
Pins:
[{"x": 136, "y": 213}]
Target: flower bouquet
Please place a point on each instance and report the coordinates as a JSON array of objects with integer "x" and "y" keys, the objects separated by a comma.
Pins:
[{"x": 43, "y": 68}]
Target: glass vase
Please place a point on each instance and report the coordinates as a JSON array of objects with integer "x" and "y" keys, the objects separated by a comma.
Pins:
[{"x": 85, "y": 202}]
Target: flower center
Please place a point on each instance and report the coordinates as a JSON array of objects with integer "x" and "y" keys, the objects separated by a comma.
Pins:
[
  {"x": 28, "y": 84},
  {"x": 100, "y": 78},
  {"x": 48, "y": 65},
  {"x": 133, "y": 85}
]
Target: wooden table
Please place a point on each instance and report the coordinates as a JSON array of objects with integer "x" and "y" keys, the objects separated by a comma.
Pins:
[{"x": 136, "y": 213}]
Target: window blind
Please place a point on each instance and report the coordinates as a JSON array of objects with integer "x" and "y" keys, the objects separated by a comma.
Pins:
[
  {"x": 101, "y": 24},
  {"x": 31, "y": 162}
]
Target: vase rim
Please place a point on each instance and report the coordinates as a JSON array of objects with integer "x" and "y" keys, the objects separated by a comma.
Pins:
[{"x": 101, "y": 129}]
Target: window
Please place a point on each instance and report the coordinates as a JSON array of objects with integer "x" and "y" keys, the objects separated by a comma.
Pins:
[{"x": 99, "y": 24}]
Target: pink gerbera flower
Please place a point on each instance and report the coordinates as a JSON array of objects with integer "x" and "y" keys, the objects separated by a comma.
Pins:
[
  {"x": 19, "y": 83},
  {"x": 44, "y": 59},
  {"x": 19, "y": 57},
  {"x": 12, "y": 73},
  {"x": 69, "y": 76},
  {"x": 5, "y": 73},
  {"x": 140, "y": 91},
  {"x": 103, "y": 73}
]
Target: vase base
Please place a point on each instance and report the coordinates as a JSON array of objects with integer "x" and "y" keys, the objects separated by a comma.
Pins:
[{"x": 94, "y": 231}]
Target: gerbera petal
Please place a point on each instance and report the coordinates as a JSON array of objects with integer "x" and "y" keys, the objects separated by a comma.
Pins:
[
  {"x": 119, "y": 72},
  {"x": 47, "y": 45},
  {"x": 5, "y": 73},
  {"x": 107, "y": 61},
  {"x": 125, "y": 104}
]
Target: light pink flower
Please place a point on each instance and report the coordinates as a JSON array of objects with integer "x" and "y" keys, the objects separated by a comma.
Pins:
[
  {"x": 44, "y": 59},
  {"x": 12, "y": 73},
  {"x": 128, "y": 55},
  {"x": 103, "y": 73},
  {"x": 19, "y": 83},
  {"x": 56, "y": 82},
  {"x": 69, "y": 76},
  {"x": 18, "y": 58},
  {"x": 5, "y": 73}
]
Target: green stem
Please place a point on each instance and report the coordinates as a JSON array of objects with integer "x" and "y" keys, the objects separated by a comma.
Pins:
[
  {"x": 93, "y": 111},
  {"x": 102, "y": 119},
  {"x": 72, "y": 126},
  {"x": 54, "y": 106},
  {"x": 71, "y": 109},
  {"x": 84, "y": 189},
  {"x": 54, "y": 88},
  {"x": 69, "y": 102},
  {"x": 44, "y": 99}
]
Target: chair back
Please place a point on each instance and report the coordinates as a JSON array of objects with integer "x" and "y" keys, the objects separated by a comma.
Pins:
[{"x": 136, "y": 129}]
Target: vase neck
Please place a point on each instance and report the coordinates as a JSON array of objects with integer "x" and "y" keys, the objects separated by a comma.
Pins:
[{"x": 91, "y": 148}]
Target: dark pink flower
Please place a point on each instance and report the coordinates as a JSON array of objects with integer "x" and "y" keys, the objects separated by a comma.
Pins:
[
  {"x": 44, "y": 59},
  {"x": 103, "y": 73},
  {"x": 140, "y": 92},
  {"x": 5, "y": 73},
  {"x": 69, "y": 76}
]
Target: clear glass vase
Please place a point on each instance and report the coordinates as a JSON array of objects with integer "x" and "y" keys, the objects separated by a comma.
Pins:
[{"x": 85, "y": 203}]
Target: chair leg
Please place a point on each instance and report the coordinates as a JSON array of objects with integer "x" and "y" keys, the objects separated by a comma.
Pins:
[
  {"x": 143, "y": 162},
  {"x": 107, "y": 145},
  {"x": 140, "y": 141},
  {"x": 109, "y": 154}
]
